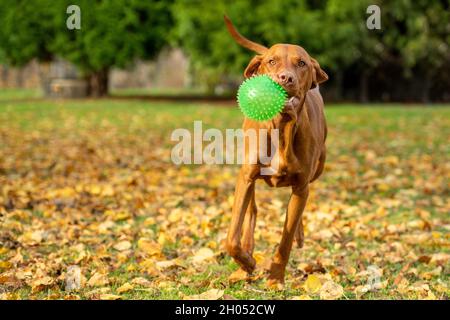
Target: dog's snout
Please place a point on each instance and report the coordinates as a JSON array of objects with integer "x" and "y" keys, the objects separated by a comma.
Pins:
[{"x": 286, "y": 78}]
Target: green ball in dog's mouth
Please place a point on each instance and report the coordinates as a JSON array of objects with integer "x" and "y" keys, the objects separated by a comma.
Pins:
[{"x": 260, "y": 98}]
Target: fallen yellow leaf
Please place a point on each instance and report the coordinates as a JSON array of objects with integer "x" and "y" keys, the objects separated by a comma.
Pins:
[
  {"x": 213, "y": 294},
  {"x": 331, "y": 291},
  {"x": 203, "y": 255},
  {"x": 313, "y": 284},
  {"x": 98, "y": 279},
  {"x": 149, "y": 247},
  {"x": 139, "y": 281},
  {"x": 238, "y": 275},
  {"x": 122, "y": 245},
  {"x": 125, "y": 288},
  {"x": 108, "y": 296},
  {"x": 41, "y": 283},
  {"x": 302, "y": 297}
]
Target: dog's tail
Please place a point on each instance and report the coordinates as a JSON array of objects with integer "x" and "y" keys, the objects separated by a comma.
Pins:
[{"x": 258, "y": 48}]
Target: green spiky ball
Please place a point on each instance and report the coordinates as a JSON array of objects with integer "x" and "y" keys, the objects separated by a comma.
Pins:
[{"x": 260, "y": 98}]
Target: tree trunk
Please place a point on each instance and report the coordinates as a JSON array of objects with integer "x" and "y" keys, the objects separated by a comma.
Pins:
[
  {"x": 98, "y": 83},
  {"x": 339, "y": 85},
  {"x": 5, "y": 74},
  {"x": 44, "y": 77},
  {"x": 364, "y": 87},
  {"x": 426, "y": 88}
]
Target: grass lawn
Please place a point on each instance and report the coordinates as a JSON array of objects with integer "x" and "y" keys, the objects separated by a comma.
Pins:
[
  {"x": 9, "y": 94},
  {"x": 157, "y": 92},
  {"x": 90, "y": 183}
]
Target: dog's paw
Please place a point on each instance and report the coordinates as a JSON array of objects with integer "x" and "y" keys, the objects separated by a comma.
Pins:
[
  {"x": 249, "y": 268},
  {"x": 275, "y": 284},
  {"x": 247, "y": 263},
  {"x": 275, "y": 278}
]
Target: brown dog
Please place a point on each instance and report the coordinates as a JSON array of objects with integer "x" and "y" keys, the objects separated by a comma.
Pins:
[{"x": 301, "y": 150}]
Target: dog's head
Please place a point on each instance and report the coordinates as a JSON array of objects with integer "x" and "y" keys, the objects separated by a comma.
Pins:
[{"x": 289, "y": 65}]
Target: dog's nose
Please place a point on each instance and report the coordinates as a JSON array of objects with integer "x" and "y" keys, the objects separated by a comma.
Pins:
[{"x": 286, "y": 78}]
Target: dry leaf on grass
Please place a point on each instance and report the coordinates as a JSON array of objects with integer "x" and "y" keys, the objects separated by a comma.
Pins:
[
  {"x": 312, "y": 284},
  {"x": 149, "y": 247},
  {"x": 108, "y": 296},
  {"x": 331, "y": 291},
  {"x": 168, "y": 264},
  {"x": 237, "y": 276},
  {"x": 302, "y": 297},
  {"x": 122, "y": 245},
  {"x": 125, "y": 288},
  {"x": 212, "y": 294},
  {"x": 203, "y": 255},
  {"x": 439, "y": 258},
  {"x": 98, "y": 279},
  {"x": 41, "y": 283},
  {"x": 139, "y": 281}
]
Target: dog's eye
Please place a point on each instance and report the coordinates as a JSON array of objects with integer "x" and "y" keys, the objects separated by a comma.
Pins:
[
  {"x": 272, "y": 62},
  {"x": 301, "y": 63}
]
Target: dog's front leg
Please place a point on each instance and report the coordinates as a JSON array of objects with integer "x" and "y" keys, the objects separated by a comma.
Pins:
[
  {"x": 294, "y": 213},
  {"x": 242, "y": 197},
  {"x": 289, "y": 127}
]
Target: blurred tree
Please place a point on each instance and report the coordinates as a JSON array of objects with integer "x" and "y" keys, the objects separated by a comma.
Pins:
[
  {"x": 113, "y": 34},
  {"x": 414, "y": 36},
  {"x": 419, "y": 33},
  {"x": 26, "y": 30},
  {"x": 349, "y": 44},
  {"x": 330, "y": 31},
  {"x": 200, "y": 30},
  {"x": 26, "y": 33},
  {"x": 413, "y": 40}
]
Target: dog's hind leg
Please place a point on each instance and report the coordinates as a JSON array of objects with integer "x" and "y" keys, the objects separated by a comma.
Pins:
[
  {"x": 320, "y": 165},
  {"x": 248, "y": 240}
]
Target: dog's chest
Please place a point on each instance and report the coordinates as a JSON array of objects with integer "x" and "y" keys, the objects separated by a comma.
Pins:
[
  {"x": 283, "y": 169},
  {"x": 281, "y": 180}
]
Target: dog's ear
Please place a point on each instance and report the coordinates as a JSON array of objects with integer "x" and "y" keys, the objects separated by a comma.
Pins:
[
  {"x": 252, "y": 67},
  {"x": 319, "y": 75}
]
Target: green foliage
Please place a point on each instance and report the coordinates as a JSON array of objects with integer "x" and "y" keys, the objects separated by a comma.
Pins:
[
  {"x": 333, "y": 31},
  {"x": 26, "y": 30},
  {"x": 419, "y": 30},
  {"x": 113, "y": 33},
  {"x": 200, "y": 30},
  {"x": 316, "y": 27}
]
